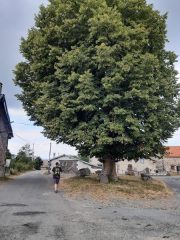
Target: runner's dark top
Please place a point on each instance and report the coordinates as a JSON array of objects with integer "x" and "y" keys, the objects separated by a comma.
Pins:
[{"x": 56, "y": 171}]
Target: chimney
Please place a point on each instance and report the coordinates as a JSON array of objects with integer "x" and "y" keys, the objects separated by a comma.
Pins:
[{"x": 0, "y": 88}]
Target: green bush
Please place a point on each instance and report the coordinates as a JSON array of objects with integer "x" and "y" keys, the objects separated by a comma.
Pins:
[
  {"x": 24, "y": 161},
  {"x": 22, "y": 167},
  {"x": 38, "y": 163}
]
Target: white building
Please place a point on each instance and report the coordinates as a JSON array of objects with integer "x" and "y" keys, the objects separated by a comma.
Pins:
[
  {"x": 95, "y": 161},
  {"x": 143, "y": 165},
  {"x": 122, "y": 167},
  {"x": 169, "y": 163},
  {"x": 71, "y": 164}
]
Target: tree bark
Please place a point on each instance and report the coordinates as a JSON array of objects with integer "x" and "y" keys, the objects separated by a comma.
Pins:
[
  {"x": 113, "y": 175},
  {"x": 109, "y": 171}
]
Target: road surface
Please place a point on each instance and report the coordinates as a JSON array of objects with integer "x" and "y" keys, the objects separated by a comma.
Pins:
[
  {"x": 173, "y": 182},
  {"x": 30, "y": 210}
]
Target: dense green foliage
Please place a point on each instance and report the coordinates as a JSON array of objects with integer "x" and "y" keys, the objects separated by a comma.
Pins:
[
  {"x": 24, "y": 160},
  {"x": 38, "y": 163},
  {"x": 97, "y": 76}
]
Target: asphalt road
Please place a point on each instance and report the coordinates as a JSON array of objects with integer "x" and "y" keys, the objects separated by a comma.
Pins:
[
  {"x": 30, "y": 210},
  {"x": 173, "y": 182}
]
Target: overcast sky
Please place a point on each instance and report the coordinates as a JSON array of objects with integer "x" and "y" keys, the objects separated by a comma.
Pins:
[{"x": 16, "y": 17}]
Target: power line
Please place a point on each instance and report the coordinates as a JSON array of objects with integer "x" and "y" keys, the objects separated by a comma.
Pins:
[
  {"x": 27, "y": 124},
  {"x": 23, "y": 139},
  {"x": 27, "y": 141}
]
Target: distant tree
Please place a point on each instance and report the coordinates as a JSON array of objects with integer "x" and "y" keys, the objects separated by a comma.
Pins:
[
  {"x": 25, "y": 154},
  {"x": 23, "y": 160},
  {"x": 38, "y": 163},
  {"x": 97, "y": 76}
]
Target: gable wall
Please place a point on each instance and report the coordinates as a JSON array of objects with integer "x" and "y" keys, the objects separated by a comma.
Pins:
[
  {"x": 168, "y": 162},
  {"x": 3, "y": 141},
  {"x": 141, "y": 165},
  {"x": 68, "y": 166}
]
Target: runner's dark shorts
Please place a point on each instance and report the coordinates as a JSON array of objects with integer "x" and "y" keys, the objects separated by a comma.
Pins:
[{"x": 56, "y": 180}]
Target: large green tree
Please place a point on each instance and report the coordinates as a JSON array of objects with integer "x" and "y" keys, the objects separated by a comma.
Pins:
[{"x": 97, "y": 76}]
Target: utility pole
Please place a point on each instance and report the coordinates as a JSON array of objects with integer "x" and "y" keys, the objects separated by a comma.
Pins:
[
  {"x": 49, "y": 158},
  {"x": 33, "y": 152}
]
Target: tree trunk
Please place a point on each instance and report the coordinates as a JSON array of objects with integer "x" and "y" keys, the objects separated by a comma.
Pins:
[
  {"x": 113, "y": 175},
  {"x": 109, "y": 171}
]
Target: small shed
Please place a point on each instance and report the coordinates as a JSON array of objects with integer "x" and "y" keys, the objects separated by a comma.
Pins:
[{"x": 5, "y": 131}]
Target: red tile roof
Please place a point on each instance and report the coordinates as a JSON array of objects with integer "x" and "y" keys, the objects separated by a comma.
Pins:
[{"x": 173, "y": 151}]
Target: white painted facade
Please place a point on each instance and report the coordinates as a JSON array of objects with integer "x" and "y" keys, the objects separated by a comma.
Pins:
[
  {"x": 94, "y": 161},
  {"x": 92, "y": 168},
  {"x": 143, "y": 165},
  {"x": 154, "y": 166},
  {"x": 170, "y": 164},
  {"x": 123, "y": 166}
]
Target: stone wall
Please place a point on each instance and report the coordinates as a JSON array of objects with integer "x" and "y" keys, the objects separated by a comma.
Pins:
[
  {"x": 139, "y": 166},
  {"x": 68, "y": 166},
  {"x": 162, "y": 165},
  {"x": 169, "y": 162}
]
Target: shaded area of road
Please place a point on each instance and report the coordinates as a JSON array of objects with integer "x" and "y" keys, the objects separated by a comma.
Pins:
[{"x": 29, "y": 209}]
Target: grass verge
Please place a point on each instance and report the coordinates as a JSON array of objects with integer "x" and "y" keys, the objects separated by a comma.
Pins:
[
  {"x": 129, "y": 187},
  {"x": 4, "y": 179}
]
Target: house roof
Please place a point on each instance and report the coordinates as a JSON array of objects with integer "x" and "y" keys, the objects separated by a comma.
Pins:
[
  {"x": 6, "y": 115},
  {"x": 91, "y": 165},
  {"x": 65, "y": 158},
  {"x": 173, "y": 152}
]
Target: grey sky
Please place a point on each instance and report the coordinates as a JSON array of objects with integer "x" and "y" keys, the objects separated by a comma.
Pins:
[
  {"x": 16, "y": 17},
  {"x": 172, "y": 7}
]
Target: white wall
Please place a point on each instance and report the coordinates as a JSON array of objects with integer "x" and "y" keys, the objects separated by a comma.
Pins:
[
  {"x": 168, "y": 162},
  {"x": 142, "y": 164},
  {"x": 84, "y": 165},
  {"x": 139, "y": 166},
  {"x": 94, "y": 161}
]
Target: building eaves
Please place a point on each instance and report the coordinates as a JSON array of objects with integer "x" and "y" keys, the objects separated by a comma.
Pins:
[{"x": 91, "y": 165}]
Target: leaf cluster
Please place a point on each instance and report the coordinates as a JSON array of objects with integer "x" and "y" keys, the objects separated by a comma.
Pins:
[{"x": 97, "y": 76}]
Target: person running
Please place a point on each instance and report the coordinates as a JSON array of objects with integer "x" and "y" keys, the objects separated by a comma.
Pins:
[{"x": 56, "y": 176}]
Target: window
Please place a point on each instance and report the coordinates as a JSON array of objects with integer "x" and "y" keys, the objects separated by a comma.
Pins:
[
  {"x": 130, "y": 168},
  {"x": 172, "y": 167}
]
